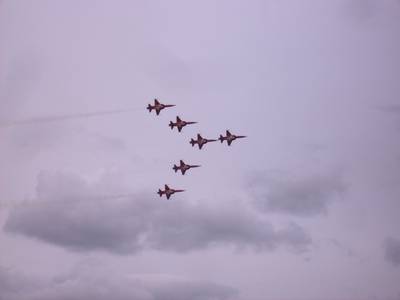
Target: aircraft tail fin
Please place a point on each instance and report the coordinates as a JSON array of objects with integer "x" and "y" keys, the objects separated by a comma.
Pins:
[
  {"x": 159, "y": 192},
  {"x": 192, "y": 141},
  {"x": 175, "y": 168},
  {"x": 221, "y": 138},
  {"x": 171, "y": 124},
  {"x": 149, "y": 108}
]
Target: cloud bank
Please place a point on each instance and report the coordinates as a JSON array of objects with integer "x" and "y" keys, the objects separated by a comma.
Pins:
[
  {"x": 73, "y": 213},
  {"x": 94, "y": 281},
  {"x": 301, "y": 196},
  {"x": 392, "y": 251}
]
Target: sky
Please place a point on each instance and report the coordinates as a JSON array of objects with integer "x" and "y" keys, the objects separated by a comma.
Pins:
[{"x": 306, "y": 207}]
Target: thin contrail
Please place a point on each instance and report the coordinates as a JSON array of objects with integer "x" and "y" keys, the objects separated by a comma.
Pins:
[
  {"x": 64, "y": 117},
  {"x": 30, "y": 202}
]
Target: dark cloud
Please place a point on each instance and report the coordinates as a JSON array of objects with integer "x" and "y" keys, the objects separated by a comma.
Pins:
[
  {"x": 90, "y": 281},
  {"x": 392, "y": 251},
  {"x": 303, "y": 196},
  {"x": 72, "y": 213}
]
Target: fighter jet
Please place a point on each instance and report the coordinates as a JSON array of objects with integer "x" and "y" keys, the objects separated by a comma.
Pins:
[
  {"x": 200, "y": 141},
  {"x": 168, "y": 192},
  {"x": 229, "y": 138},
  {"x": 183, "y": 167},
  {"x": 179, "y": 124},
  {"x": 158, "y": 106}
]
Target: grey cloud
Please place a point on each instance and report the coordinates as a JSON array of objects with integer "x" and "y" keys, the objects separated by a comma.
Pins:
[
  {"x": 302, "y": 196},
  {"x": 392, "y": 251},
  {"x": 366, "y": 10},
  {"x": 390, "y": 108},
  {"x": 91, "y": 281},
  {"x": 20, "y": 75},
  {"x": 362, "y": 9},
  {"x": 75, "y": 214},
  {"x": 13, "y": 284}
]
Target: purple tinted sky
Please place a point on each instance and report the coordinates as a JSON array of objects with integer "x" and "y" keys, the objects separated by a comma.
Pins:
[{"x": 305, "y": 208}]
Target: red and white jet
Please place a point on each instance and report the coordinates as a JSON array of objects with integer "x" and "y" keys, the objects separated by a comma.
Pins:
[
  {"x": 158, "y": 106},
  {"x": 179, "y": 124},
  {"x": 229, "y": 138},
  {"x": 200, "y": 141},
  {"x": 168, "y": 192},
  {"x": 184, "y": 167}
]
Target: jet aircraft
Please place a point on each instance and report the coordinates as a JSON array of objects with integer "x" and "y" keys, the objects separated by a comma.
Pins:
[
  {"x": 179, "y": 124},
  {"x": 229, "y": 138},
  {"x": 158, "y": 106},
  {"x": 168, "y": 192},
  {"x": 183, "y": 167},
  {"x": 200, "y": 141}
]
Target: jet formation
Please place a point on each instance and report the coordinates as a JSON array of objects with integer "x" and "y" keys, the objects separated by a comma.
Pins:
[{"x": 200, "y": 141}]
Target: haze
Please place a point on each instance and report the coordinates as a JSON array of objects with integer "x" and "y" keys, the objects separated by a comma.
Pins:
[{"x": 306, "y": 207}]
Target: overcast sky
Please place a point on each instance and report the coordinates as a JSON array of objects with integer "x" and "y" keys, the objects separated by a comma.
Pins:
[{"x": 307, "y": 207}]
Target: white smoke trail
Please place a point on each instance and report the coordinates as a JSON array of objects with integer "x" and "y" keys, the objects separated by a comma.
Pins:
[
  {"x": 64, "y": 117},
  {"x": 30, "y": 202}
]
